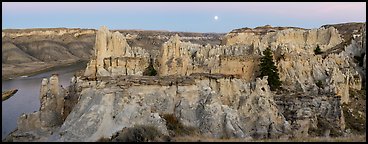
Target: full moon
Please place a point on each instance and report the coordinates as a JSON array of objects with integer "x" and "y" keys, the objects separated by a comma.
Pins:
[{"x": 216, "y": 17}]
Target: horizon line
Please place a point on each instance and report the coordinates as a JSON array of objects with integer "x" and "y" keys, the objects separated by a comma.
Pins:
[{"x": 163, "y": 30}]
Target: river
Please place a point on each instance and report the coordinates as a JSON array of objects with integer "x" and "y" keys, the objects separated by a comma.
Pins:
[{"x": 26, "y": 100}]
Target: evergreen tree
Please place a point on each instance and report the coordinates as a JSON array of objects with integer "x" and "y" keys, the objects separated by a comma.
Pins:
[{"x": 268, "y": 68}]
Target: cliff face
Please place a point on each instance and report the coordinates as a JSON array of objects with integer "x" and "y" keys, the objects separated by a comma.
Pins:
[
  {"x": 290, "y": 40},
  {"x": 213, "y": 89},
  {"x": 312, "y": 114},
  {"x": 185, "y": 58},
  {"x": 201, "y": 101}
]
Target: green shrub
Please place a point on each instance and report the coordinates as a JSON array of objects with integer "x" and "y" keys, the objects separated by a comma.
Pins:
[
  {"x": 317, "y": 50},
  {"x": 319, "y": 84}
]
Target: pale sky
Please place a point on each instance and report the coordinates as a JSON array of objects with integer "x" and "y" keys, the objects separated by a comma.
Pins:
[{"x": 219, "y": 17}]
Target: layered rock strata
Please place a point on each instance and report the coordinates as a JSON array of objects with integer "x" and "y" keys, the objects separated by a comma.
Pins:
[
  {"x": 290, "y": 40},
  {"x": 184, "y": 58},
  {"x": 218, "y": 105}
]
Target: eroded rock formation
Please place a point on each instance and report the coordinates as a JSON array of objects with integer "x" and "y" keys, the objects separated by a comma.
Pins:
[
  {"x": 113, "y": 56},
  {"x": 306, "y": 111},
  {"x": 211, "y": 88},
  {"x": 49, "y": 116},
  {"x": 299, "y": 68},
  {"x": 290, "y": 40},
  {"x": 184, "y": 58},
  {"x": 202, "y": 101}
]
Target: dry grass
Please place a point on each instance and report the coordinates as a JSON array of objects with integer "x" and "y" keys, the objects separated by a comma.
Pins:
[
  {"x": 356, "y": 138},
  {"x": 138, "y": 133},
  {"x": 176, "y": 128}
]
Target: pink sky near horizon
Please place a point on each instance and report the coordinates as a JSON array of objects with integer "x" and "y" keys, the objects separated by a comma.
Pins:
[
  {"x": 180, "y": 16},
  {"x": 301, "y": 9}
]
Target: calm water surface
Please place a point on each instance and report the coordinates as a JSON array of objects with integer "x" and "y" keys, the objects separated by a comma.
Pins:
[{"x": 26, "y": 100}]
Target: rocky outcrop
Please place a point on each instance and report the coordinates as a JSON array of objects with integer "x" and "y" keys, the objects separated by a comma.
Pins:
[
  {"x": 9, "y": 93},
  {"x": 216, "y": 105},
  {"x": 299, "y": 68},
  {"x": 184, "y": 58},
  {"x": 289, "y": 40},
  {"x": 306, "y": 111},
  {"x": 347, "y": 30},
  {"x": 113, "y": 56},
  {"x": 52, "y": 102},
  {"x": 334, "y": 72},
  {"x": 52, "y": 47},
  {"x": 49, "y": 115},
  {"x": 338, "y": 71}
]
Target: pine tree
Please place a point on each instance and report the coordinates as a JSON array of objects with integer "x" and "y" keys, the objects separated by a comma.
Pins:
[{"x": 268, "y": 68}]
